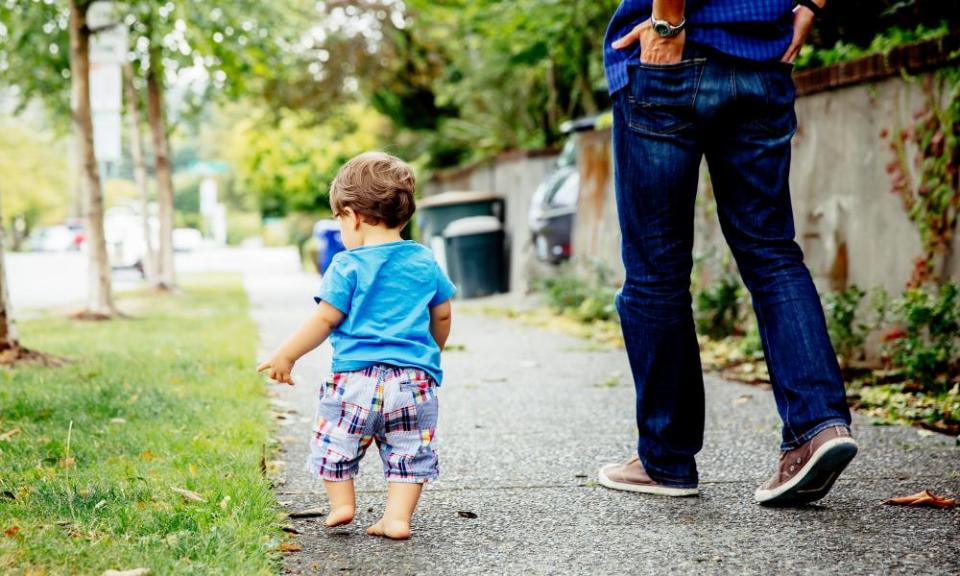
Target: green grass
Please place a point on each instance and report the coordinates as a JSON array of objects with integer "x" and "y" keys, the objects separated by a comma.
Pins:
[{"x": 195, "y": 416}]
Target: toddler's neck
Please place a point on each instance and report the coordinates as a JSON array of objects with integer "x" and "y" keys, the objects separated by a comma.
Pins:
[{"x": 375, "y": 235}]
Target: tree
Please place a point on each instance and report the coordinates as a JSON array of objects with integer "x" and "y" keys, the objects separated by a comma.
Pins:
[
  {"x": 9, "y": 342},
  {"x": 161, "y": 151},
  {"x": 150, "y": 270},
  {"x": 44, "y": 51},
  {"x": 100, "y": 292}
]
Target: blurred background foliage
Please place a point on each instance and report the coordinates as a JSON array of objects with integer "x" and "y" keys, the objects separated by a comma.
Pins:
[{"x": 282, "y": 92}]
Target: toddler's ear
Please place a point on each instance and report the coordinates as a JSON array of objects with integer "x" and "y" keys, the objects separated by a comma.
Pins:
[{"x": 352, "y": 218}]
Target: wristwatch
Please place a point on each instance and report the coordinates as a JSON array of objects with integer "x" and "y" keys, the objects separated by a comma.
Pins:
[{"x": 666, "y": 29}]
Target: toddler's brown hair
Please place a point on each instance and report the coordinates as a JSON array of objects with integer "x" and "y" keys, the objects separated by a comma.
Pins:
[{"x": 378, "y": 187}]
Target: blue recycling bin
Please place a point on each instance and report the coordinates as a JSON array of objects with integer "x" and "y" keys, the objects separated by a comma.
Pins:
[{"x": 327, "y": 233}]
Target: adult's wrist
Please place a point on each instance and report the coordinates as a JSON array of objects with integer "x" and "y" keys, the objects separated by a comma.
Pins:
[{"x": 814, "y": 6}]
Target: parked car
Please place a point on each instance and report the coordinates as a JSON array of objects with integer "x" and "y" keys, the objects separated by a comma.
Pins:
[
  {"x": 123, "y": 232},
  {"x": 186, "y": 239},
  {"x": 59, "y": 238},
  {"x": 554, "y": 204}
]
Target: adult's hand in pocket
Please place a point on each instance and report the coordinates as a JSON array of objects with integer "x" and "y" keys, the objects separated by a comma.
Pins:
[
  {"x": 802, "y": 24},
  {"x": 654, "y": 48}
]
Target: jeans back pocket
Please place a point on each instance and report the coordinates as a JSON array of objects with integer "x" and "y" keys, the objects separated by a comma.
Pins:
[{"x": 662, "y": 96}]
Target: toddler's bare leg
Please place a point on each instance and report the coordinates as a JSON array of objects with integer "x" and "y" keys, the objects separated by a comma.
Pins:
[
  {"x": 343, "y": 503},
  {"x": 402, "y": 500}
]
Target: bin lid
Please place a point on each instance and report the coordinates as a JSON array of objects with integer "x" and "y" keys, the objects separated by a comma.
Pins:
[
  {"x": 452, "y": 198},
  {"x": 472, "y": 225}
]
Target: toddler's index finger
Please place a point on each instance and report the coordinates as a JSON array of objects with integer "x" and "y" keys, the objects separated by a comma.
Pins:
[{"x": 263, "y": 366}]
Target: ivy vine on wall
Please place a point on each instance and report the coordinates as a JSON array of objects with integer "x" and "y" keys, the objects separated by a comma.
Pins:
[{"x": 924, "y": 173}]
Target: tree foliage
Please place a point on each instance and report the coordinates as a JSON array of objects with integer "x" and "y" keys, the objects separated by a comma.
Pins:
[
  {"x": 33, "y": 172},
  {"x": 287, "y": 160}
]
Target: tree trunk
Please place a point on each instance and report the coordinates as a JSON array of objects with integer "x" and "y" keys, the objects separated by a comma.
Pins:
[
  {"x": 8, "y": 328},
  {"x": 100, "y": 295},
  {"x": 161, "y": 150},
  {"x": 140, "y": 172}
]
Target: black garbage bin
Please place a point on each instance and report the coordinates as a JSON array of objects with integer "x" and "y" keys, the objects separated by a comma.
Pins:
[{"x": 474, "y": 254}]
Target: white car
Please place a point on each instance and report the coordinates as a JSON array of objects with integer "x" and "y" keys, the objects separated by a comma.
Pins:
[
  {"x": 187, "y": 239},
  {"x": 58, "y": 238}
]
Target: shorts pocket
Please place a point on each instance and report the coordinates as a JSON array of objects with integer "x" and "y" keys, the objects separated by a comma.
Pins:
[
  {"x": 353, "y": 418},
  {"x": 662, "y": 96}
]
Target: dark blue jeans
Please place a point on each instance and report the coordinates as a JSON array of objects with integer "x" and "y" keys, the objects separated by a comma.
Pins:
[{"x": 739, "y": 115}]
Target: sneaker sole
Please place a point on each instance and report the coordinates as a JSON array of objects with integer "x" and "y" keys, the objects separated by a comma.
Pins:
[
  {"x": 644, "y": 488},
  {"x": 815, "y": 479}
]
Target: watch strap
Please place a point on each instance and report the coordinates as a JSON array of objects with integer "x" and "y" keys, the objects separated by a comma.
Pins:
[
  {"x": 812, "y": 6},
  {"x": 671, "y": 29}
]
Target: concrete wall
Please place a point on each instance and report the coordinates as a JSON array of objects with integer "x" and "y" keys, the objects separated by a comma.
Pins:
[
  {"x": 852, "y": 229},
  {"x": 514, "y": 176}
]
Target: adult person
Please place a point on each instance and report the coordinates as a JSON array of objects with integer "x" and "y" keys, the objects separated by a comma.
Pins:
[{"x": 712, "y": 78}]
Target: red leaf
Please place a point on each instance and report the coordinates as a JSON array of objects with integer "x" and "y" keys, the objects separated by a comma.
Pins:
[
  {"x": 923, "y": 499},
  {"x": 12, "y": 531}
]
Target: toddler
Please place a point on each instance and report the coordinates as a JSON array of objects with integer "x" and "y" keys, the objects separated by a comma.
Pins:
[{"x": 385, "y": 304}]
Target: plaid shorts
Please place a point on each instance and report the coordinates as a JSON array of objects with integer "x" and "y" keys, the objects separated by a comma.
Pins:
[{"x": 397, "y": 407}]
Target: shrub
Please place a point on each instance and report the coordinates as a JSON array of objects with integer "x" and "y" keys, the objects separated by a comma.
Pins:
[
  {"x": 585, "y": 301},
  {"x": 719, "y": 308},
  {"x": 847, "y": 332},
  {"x": 925, "y": 341}
]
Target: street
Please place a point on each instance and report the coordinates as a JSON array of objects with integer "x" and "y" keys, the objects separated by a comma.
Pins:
[{"x": 58, "y": 279}]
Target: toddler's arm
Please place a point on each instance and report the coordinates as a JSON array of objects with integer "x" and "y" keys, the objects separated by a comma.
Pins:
[
  {"x": 313, "y": 332},
  {"x": 440, "y": 316}
]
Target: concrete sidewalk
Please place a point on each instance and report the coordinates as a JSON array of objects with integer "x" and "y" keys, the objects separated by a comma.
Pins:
[{"x": 528, "y": 416}]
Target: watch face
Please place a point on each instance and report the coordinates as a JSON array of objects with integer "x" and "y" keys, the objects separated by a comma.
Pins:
[{"x": 661, "y": 28}]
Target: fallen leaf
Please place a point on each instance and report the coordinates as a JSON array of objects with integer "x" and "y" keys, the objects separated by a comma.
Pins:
[
  {"x": 192, "y": 468},
  {"x": 132, "y": 572},
  {"x": 466, "y": 514},
  {"x": 923, "y": 499},
  {"x": 12, "y": 531},
  {"x": 739, "y": 400},
  {"x": 99, "y": 505},
  {"x": 6, "y": 436},
  {"x": 188, "y": 494},
  {"x": 118, "y": 420},
  {"x": 290, "y": 547},
  {"x": 68, "y": 462},
  {"x": 148, "y": 455},
  {"x": 308, "y": 513}
]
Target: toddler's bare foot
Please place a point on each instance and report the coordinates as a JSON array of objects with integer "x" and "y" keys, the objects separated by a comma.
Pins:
[
  {"x": 339, "y": 516},
  {"x": 393, "y": 529}
]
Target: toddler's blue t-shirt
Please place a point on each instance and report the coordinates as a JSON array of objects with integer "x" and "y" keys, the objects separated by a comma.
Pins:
[{"x": 385, "y": 293}]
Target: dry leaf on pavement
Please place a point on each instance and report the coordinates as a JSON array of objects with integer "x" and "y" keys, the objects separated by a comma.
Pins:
[
  {"x": 290, "y": 547},
  {"x": 188, "y": 494},
  {"x": 132, "y": 572},
  {"x": 308, "y": 513},
  {"x": 924, "y": 499}
]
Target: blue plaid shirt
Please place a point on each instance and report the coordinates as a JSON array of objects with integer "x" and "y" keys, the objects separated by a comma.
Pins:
[{"x": 757, "y": 30}]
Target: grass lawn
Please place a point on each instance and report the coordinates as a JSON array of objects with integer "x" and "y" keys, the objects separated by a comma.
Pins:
[{"x": 167, "y": 399}]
